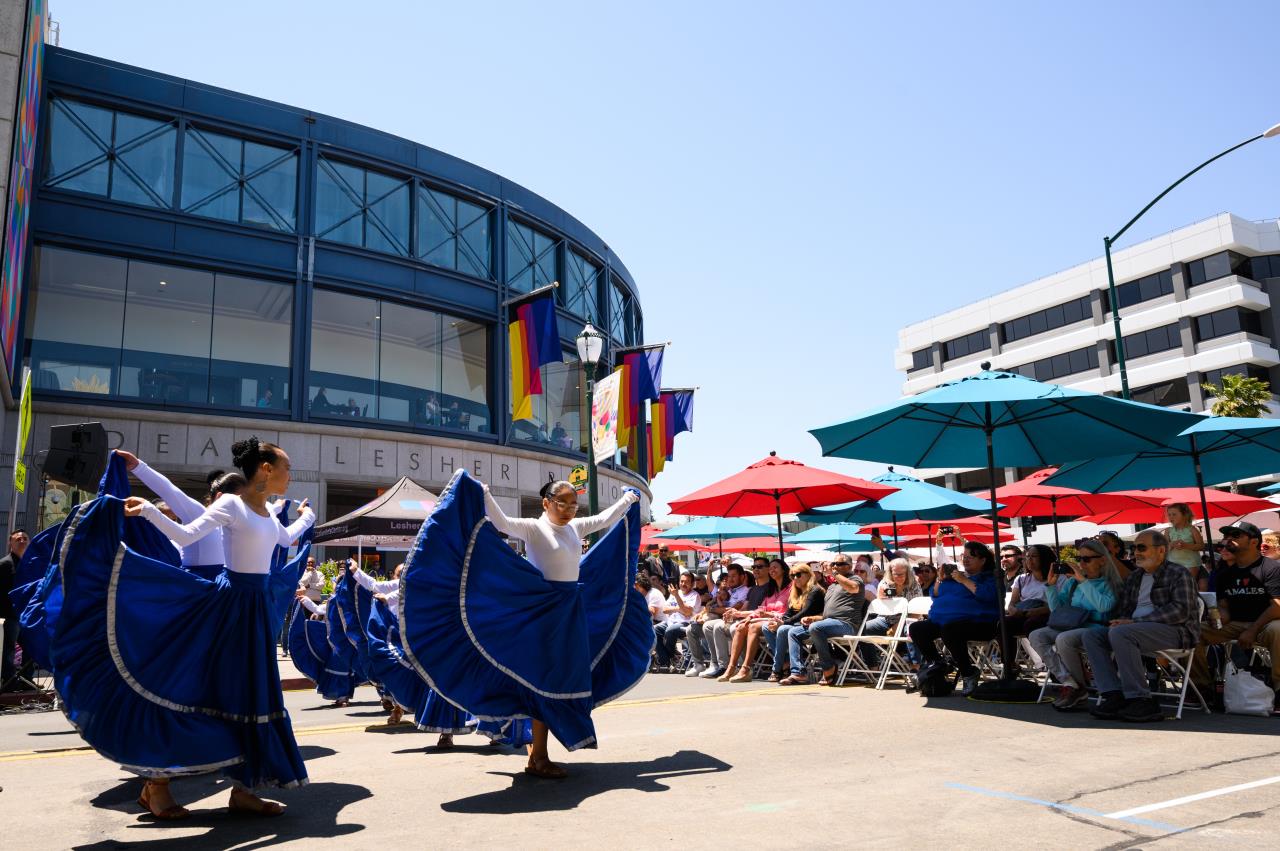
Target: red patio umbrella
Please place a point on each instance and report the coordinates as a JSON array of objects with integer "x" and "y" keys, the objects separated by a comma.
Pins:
[
  {"x": 951, "y": 540},
  {"x": 1221, "y": 504},
  {"x": 775, "y": 485},
  {"x": 970, "y": 527},
  {"x": 676, "y": 545},
  {"x": 759, "y": 545}
]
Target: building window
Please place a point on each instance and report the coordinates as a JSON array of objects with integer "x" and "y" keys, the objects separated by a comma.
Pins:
[
  {"x": 978, "y": 341},
  {"x": 239, "y": 181},
  {"x": 361, "y": 207},
  {"x": 1160, "y": 339},
  {"x": 1059, "y": 366},
  {"x": 1144, "y": 289},
  {"x": 1216, "y": 266},
  {"x": 378, "y": 360},
  {"x": 620, "y": 325},
  {"x": 114, "y": 154},
  {"x": 1261, "y": 268},
  {"x": 557, "y": 414},
  {"x": 166, "y": 335},
  {"x": 1214, "y": 376},
  {"x": 1068, "y": 313},
  {"x": 1232, "y": 320},
  {"x": 454, "y": 234},
  {"x": 921, "y": 359},
  {"x": 531, "y": 258},
  {"x": 580, "y": 293},
  {"x": 1164, "y": 394}
]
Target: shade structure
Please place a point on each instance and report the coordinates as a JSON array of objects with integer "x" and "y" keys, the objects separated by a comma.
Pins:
[
  {"x": 970, "y": 527},
  {"x": 718, "y": 529},
  {"x": 392, "y": 519},
  {"x": 845, "y": 537},
  {"x": 649, "y": 537},
  {"x": 762, "y": 545},
  {"x": 1001, "y": 419},
  {"x": 912, "y": 543},
  {"x": 774, "y": 485},
  {"x": 1219, "y": 504},
  {"x": 1270, "y": 488},
  {"x": 914, "y": 500},
  {"x": 1209, "y": 450},
  {"x": 1031, "y": 497}
]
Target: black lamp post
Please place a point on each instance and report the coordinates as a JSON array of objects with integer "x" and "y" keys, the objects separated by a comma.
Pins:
[{"x": 590, "y": 347}]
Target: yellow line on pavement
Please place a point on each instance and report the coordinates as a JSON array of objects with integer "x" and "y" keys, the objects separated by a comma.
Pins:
[{"x": 81, "y": 750}]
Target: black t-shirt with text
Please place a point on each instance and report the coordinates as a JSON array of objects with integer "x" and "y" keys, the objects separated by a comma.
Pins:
[{"x": 1249, "y": 590}]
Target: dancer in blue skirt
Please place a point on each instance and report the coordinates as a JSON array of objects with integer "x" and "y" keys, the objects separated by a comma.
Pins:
[
  {"x": 169, "y": 674},
  {"x": 510, "y": 639}
]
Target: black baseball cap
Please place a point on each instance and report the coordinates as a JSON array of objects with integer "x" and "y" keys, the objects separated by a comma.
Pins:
[{"x": 1244, "y": 528}]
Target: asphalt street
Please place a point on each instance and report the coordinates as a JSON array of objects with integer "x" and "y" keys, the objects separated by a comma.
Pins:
[{"x": 684, "y": 761}]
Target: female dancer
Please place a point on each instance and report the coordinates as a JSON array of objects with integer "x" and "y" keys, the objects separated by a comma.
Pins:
[
  {"x": 169, "y": 674},
  {"x": 509, "y": 639}
]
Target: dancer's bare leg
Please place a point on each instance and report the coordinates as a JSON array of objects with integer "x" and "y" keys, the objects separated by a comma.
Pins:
[
  {"x": 244, "y": 801},
  {"x": 540, "y": 765},
  {"x": 157, "y": 798}
]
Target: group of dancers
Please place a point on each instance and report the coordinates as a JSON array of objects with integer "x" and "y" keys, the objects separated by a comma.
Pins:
[{"x": 159, "y": 624}]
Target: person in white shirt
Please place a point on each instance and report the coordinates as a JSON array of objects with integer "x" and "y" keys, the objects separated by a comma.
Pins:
[
  {"x": 311, "y": 583},
  {"x": 731, "y": 596},
  {"x": 680, "y": 609},
  {"x": 652, "y": 596}
]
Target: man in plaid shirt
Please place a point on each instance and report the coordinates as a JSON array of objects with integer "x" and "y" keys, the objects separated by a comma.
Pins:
[{"x": 1156, "y": 610}]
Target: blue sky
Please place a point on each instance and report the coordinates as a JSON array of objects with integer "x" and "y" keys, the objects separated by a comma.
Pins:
[{"x": 789, "y": 186}]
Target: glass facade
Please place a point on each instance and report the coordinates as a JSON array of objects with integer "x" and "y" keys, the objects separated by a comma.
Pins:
[
  {"x": 379, "y": 360},
  {"x": 1144, "y": 289},
  {"x": 580, "y": 293},
  {"x": 1164, "y": 394},
  {"x": 360, "y": 207},
  {"x": 239, "y": 181},
  {"x": 977, "y": 341},
  {"x": 531, "y": 258},
  {"x": 921, "y": 359},
  {"x": 454, "y": 233},
  {"x": 1150, "y": 342},
  {"x": 114, "y": 154},
  {"x": 1261, "y": 268},
  {"x": 1216, "y": 266},
  {"x": 557, "y": 418},
  {"x": 1058, "y": 316},
  {"x": 166, "y": 335},
  {"x": 620, "y": 326},
  {"x": 1214, "y": 376},
  {"x": 1059, "y": 366},
  {"x": 1232, "y": 320}
]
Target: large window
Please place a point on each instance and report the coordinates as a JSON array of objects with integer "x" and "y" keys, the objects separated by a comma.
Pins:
[
  {"x": 1160, "y": 339},
  {"x": 557, "y": 418},
  {"x": 620, "y": 324},
  {"x": 166, "y": 335},
  {"x": 1067, "y": 313},
  {"x": 921, "y": 359},
  {"x": 110, "y": 153},
  {"x": 1214, "y": 376},
  {"x": 1164, "y": 394},
  {"x": 239, "y": 181},
  {"x": 1059, "y": 366},
  {"x": 1232, "y": 320},
  {"x": 531, "y": 258},
  {"x": 580, "y": 293},
  {"x": 978, "y": 341},
  {"x": 1261, "y": 268},
  {"x": 362, "y": 207},
  {"x": 1144, "y": 289},
  {"x": 379, "y": 360},
  {"x": 453, "y": 233},
  {"x": 1216, "y": 266}
]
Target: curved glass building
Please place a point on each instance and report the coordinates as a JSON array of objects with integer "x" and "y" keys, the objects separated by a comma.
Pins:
[{"x": 205, "y": 265}]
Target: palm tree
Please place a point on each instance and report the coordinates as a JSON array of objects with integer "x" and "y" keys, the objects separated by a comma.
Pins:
[{"x": 1239, "y": 396}]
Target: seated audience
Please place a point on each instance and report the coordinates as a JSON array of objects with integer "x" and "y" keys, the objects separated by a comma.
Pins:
[
  {"x": 1157, "y": 609},
  {"x": 1027, "y": 610},
  {"x": 746, "y": 639},
  {"x": 1116, "y": 546},
  {"x": 843, "y": 609},
  {"x": 732, "y": 595},
  {"x": 680, "y": 609},
  {"x": 718, "y": 633},
  {"x": 655, "y": 599},
  {"x": 1083, "y": 601},
  {"x": 926, "y": 576},
  {"x": 807, "y": 598},
  {"x": 1010, "y": 563},
  {"x": 901, "y": 582},
  {"x": 965, "y": 608}
]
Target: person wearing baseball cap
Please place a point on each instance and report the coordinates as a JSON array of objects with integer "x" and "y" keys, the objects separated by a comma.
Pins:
[{"x": 1248, "y": 592}]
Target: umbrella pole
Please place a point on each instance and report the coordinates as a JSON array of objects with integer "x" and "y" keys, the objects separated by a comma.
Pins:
[
  {"x": 1204, "y": 503},
  {"x": 777, "y": 510},
  {"x": 1057, "y": 548},
  {"x": 895, "y": 531}
]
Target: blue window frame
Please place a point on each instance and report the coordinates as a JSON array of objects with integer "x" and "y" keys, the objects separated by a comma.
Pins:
[
  {"x": 236, "y": 180},
  {"x": 454, "y": 233},
  {"x": 620, "y": 325},
  {"x": 360, "y": 207},
  {"x": 110, "y": 153},
  {"x": 531, "y": 257},
  {"x": 580, "y": 294}
]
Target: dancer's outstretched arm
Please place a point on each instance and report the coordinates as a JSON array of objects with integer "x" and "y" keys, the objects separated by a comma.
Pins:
[{"x": 588, "y": 525}]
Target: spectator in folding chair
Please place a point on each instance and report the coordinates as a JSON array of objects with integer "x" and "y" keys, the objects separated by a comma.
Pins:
[
  {"x": 1157, "y": 609},
  {"x": 1078, "y": 603},
  {"x": 926, "y": 577},
  {"x": 1116, "y": 546},
  {"x": 843, "y": 609},
  {"x": 1027, "y": 610},
  {"x": 899, "y": 582},
  {"x": 746, "y": 638},
  {"x": 680, "y": 609},
  {"x": 719, "y": 632},
  {"x": 1249, "y": 600},
  {"x": 1011, "y": 563},
  {"x": 806, "y": 600},
  {"x": 654, "y": 598},
  {"x": 731, "y": 596},
  {"x": 965, "y": 608}
]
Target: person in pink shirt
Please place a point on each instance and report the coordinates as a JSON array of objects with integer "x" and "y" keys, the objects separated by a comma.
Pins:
[{"x": 746, "y": 640}]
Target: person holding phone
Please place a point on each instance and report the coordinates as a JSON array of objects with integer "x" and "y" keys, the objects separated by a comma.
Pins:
[
  {"x": 1027, "y": 610},
  {"x": 965, "y": 608}
]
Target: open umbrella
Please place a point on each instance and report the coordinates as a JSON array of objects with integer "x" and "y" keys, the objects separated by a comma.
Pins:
[
  {"x": 1031, "y": 497},
  {"x": 952, "y": 541},
  {"x": 763, "y": 545},
  {"x": 1005, "y": 419},
  {"x": 1213, "y": 503},
  {"x": 718, "y": 529},
  {"x": 1270, "y": 488},
  {"x": 845, "y": 537},
  {"x": 775, "y": 485},
  {"x": 1210, "y": 449}
]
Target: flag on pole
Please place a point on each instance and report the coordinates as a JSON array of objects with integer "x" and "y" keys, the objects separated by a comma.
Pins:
[
  {"x": 604, "y": 418},
  {"x": 628, "y": 399},
  {"x": 681, "y": 409},
  {"x": 534, "y": 343},
  {"x": 651, "y": 379},
  {"x": 659, "y": 449}
]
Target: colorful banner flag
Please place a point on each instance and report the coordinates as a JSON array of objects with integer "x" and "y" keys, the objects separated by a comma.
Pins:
[
  {"x": 604, "y": 418},
  {"x": 628, "y": 399},
  {"x": 659, "y": 431},
  {"x": 534, "y": 343},
  {"x": 651, "y": 379},
  {"x": 681, "y": 408}
]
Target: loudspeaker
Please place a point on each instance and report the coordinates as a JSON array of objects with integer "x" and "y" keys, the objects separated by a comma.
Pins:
[{"x": 77, "y": 454}]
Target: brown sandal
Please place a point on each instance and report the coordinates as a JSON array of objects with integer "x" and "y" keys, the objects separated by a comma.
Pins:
[
  {"x": 266, "y": 809},
  {"x": 828, "y": 677},
  {"x": 794, "y": 680},
  {"x": 173, "y": 813},
  {"x": 546, "y": 769}
]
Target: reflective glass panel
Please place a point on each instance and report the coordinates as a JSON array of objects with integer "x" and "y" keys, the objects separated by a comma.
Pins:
[
  {"x": 167, "y": 321},
  {"x": 464, "y": 377},
  {"x": 409, "y": 365},
  {"x": 249, "y": 358},
  {"x": 344, "y": 356},
  {"x": 78, "y": 321}
]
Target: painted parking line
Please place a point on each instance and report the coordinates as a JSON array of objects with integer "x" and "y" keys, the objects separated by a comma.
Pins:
[
  {"x": 1066, "y": 808},
  {"x": 1177, "y": 802}
]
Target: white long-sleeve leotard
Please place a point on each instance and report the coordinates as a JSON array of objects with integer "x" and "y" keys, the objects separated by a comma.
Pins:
[
  {"x": 313, "y": 607},
  {"x": 555, "y": 550},
  {"x": 206, "y": 551},
  {"x": 377, "y": 586},
  {"x": 249, "y": 537}
]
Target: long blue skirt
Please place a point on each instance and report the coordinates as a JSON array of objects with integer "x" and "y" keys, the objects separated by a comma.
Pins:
[
  {"x": 313, "y": 656},
  {"x": 490, "y": 634},
  {"x": 406, "y": 687},
  {"x": 163, "y": 672}
]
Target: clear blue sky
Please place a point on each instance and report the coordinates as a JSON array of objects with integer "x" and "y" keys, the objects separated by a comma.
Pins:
[{"x": 788, "y": 183}]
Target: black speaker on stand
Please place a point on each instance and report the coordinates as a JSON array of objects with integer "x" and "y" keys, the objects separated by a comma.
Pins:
[{"x": 77, "y": 454}]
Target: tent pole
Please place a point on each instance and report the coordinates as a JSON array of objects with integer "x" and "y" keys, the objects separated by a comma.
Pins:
[
  {"x": 1007, "y": 667},
  {"x": 1204, "y": 503},
  {"x": 777, "y": 509},
  {"x": 1057, "y": 548}
]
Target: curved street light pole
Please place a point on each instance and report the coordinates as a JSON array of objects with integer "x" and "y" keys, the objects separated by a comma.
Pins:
[{"x": 1108, "y": 241}]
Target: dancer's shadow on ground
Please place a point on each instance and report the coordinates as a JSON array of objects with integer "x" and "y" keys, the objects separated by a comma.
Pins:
[
  {"x": 352, "y": 705},
  {"x": 531, "y": 795},
  {"x": 313, "y": 814}
]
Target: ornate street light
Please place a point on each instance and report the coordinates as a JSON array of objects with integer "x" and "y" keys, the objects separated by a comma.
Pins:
[{"x": 590, "y": 348}]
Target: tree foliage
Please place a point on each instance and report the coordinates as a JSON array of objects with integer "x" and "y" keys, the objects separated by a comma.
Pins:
[{"x": 1239, "y": 396}]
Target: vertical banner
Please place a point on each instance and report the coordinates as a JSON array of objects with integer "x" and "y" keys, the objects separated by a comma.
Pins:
[
  {"x": 604, "y": 417},
  {"x": 534, "y": 343},
  {"x": 24, "y": 432},
  {"x": 658, "y": 420}
]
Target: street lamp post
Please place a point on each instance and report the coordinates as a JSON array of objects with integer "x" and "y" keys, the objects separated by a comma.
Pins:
[
  {"x": 590, "y": 347},
  {"x": 1108, "y": 241}
]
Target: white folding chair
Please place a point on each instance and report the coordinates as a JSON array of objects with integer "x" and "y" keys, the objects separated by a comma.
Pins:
[
  {"x": 852, "y": 664},
  {"x": 1173, "y": 675},
  {"x": 894, "y": 607}
]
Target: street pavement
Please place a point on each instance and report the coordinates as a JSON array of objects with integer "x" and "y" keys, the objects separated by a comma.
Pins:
[{"x": 694, "y": 763}]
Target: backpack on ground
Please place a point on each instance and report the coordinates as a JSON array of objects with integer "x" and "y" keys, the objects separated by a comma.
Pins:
[{"x": 936, "y": 679}]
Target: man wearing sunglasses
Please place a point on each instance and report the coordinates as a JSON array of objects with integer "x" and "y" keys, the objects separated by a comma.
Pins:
[
  {"x": 1248, "y": 589},
  {"x": 1156, "y": 610}
]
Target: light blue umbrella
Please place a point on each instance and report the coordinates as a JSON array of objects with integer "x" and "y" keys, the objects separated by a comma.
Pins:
[
  {"x": 1001, "y": 419},
  {"x": 718, "y": 529},
  {"x": 1270, "y": 488},
  {"x": 844, "y": 536},
  {"x": 1213, "y": 449}
]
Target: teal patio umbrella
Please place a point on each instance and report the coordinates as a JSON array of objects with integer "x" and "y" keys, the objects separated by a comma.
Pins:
[
  {"x": 718, "y": 529},
  {"x": 1270, "y": 488},
  {"x": 1212, "y": 449},
  {"x": 845, "y": 537},
  {"x": 1001, "y": 419}
]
